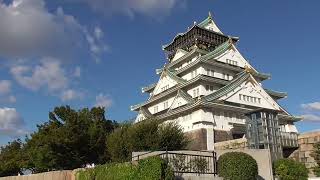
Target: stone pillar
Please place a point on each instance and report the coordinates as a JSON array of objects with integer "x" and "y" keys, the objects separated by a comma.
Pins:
[{"x": 210, "y": 138}]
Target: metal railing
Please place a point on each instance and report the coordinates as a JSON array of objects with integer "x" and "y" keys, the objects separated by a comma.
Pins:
[{"x": 185, "y": 163}]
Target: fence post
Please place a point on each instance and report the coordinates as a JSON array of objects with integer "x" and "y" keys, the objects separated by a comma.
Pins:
[
  {"x": 167, "y": 155},
  {"x": 215, "y": 164}
]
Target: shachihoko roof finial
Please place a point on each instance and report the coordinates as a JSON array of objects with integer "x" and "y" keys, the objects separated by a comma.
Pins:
[{"x": 210, "y": 16}]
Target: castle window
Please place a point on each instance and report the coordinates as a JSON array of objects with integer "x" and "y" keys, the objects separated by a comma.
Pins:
[
  {"x": 155, "y": 109},
  {"x": 165, "y": 105},
  {"x": 195, "y": 92},
  {"x": 209, "y": 88},
  {"x": 194, "y": 74},
  {"x": 210, "y": 72},
  {"x": 250, "y": 99}
]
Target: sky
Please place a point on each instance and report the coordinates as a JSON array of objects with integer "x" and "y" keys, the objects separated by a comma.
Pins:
[{"x": 87, "y": 53}]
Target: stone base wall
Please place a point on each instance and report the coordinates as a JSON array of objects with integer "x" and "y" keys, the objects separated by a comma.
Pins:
[
  {"x": 220, "y": 136},
  {"x": 231, "y": 144},
  {"x": 198, "y": 139},
  {"x": 303, "y": 154}
]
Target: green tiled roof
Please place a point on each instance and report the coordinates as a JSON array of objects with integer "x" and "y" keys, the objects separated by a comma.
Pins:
[
  {"x": 194, "y": 50},
  {"x": 218, "y": 50},
  {"x": 205, "y": 22},
  {"x": 149, "y": 87},
  {"x": 185, "y": 96},
  {"x": 173, "y": 76},
  {"x": 176, "y": 88},
  {"x": 262, "y": 76},
  {"x": 228, "y": 88},
  {"x": 145, "y": 112},
  {"x": 276, "y": 93}
]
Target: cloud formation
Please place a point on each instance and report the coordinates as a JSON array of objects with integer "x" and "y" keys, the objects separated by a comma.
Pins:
[
  {"x": 153, "y": 8},
  {"x": 103, "y": 101},
  {"x": 312, "y": 112},
  {"x": 5, "y": 92},
  {"x": 49, "y": 76},
  {"x": 315, "y": 106},
  {"x": 5, "y": 86},
  {"x": 71, "y": 94},
  {"x": 29, "y": 31},
  {"x": 11, "y": 123}
]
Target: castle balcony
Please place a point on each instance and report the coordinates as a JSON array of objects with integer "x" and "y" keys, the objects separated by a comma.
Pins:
[{"x": 289, "y": 139}]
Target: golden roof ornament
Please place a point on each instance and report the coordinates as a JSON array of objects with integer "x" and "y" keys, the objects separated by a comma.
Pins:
[{"x": 248, "y": 69}]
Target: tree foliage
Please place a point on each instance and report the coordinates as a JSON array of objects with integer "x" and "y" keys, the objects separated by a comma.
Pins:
[
  {"x": 147, "y": 135},
  {"x": 69, "y": 140},
  {"x": 288, "y": 169},
  {"x": 10, "y": 158},
  {"x": 237, "y": 166}
]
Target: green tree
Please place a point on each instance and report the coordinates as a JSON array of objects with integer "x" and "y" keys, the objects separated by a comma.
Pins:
[
  {"x": 316, "y": 155},
  {"x": 10, "y": 158},
  {"x": 147, "y": 135},
  {"x": 69, "y": 140}
]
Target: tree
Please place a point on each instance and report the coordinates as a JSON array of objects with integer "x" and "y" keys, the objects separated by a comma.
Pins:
[
  {"x": 10, "y": 158},
  {"x": 69, "y": 140},
  {"x": 316, "y": 155},
  {"x": 147, "y": 135}
]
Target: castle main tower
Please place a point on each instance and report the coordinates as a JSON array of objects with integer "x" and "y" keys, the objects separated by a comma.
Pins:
[{"x": 208, "y": 87}]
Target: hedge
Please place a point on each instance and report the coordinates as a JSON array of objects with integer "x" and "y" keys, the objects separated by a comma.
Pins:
[
  {"x": 237, "y": 166},
  {"x": 288, "y": 169},
  {"x": 152, "y": 168}
]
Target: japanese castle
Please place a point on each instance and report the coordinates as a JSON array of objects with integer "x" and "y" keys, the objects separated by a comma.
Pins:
[{"x": 215, "y": 95}]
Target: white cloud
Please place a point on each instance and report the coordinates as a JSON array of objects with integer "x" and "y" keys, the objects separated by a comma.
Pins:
[
  {"x": 5, "y": 86},
  {"x": 71, "y": 94},
  {"x": 12, "y": 99},
  {"x": 11, "y": 122},
  {"x": 311, "y": 112},
  {"x": 98, "y": 33},
  {"x": 29, "y": 31},
  {"x": 315, "y": 106},
  {"x": 153, "y": 8},
  {"x": 311, "y": 117},
  {"x": 48, "y": 74},
  {"x": 5, "y": 92},
  {"x": 77, "y": 72},
  {"x": 103, "y": 101},
  {"x": 96, "y": 44}
]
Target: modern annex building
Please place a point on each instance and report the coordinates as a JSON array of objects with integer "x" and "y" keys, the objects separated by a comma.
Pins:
[{"x": 208, "y": 88}]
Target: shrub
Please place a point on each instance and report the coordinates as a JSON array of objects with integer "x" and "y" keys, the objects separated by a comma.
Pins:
[
  {"x": 152, "y": 168},
  {"x": 110, "y": 171},
  {"x": 288, "y": 169},
  {"x": 316, "y": 171},
  {"x": 237, "y": 166}
]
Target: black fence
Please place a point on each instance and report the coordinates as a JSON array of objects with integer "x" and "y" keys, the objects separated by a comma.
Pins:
[{"x": 186, "y": 163}]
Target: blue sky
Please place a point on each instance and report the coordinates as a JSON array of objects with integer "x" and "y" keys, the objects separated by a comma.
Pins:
[{"x": 85, "y": 53}]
